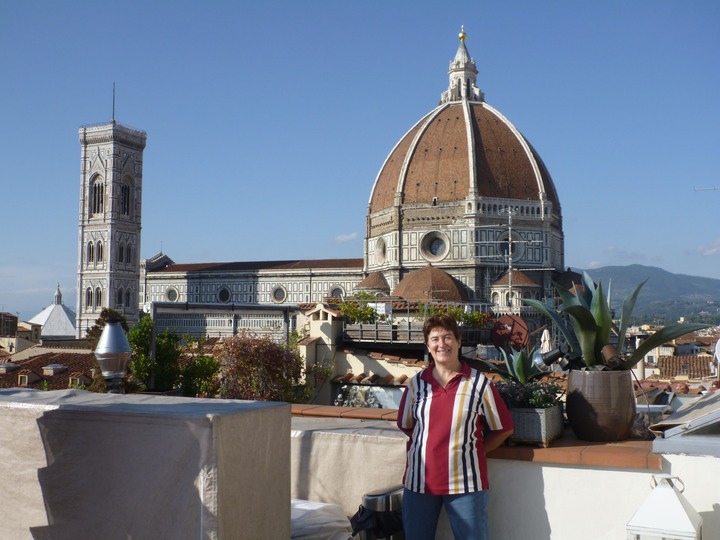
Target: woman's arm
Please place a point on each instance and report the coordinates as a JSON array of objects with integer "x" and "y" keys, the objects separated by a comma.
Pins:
[{"x": 495, "y": 438}]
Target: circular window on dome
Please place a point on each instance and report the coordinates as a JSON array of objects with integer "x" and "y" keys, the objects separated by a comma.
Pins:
[
  {"x": 172, "y": 294},
  {"x": 279, "y": 294},
  {"x": 434, "y": 246},
  {"x": 380, "y": 251},
  {"x": 224, "y": 295},
  {"x": 507, "y": 248}
]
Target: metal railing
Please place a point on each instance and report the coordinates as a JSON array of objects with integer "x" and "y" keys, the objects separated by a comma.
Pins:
[{"x": 405, "y": 333}]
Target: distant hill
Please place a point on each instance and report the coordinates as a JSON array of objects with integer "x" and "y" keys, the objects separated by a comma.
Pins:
[{"x": 665, "y": 297}]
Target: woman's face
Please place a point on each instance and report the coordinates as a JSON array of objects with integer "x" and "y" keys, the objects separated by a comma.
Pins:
[{"x": 443, "y": 346}]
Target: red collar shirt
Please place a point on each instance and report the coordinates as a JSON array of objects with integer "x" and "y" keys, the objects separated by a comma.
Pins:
[{"x": 445, "y": 453}]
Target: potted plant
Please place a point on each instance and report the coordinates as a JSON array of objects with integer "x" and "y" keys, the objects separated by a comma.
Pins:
[
  {"x": 600, "y": 402},
  {"x": 533, "y": 403}
]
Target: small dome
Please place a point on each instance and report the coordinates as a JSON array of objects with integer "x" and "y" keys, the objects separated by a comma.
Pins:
[
  {"x": 519, "y": 278},
  {"x": 375, "y": 282},
  {"x": 430, "y": 283}
]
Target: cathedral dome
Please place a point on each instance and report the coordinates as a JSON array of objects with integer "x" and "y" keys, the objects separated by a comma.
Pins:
[
  {"x": 430, "y": 283},
  {"x": 463, "y": 149},
  {"x": 465, "y": 191}
]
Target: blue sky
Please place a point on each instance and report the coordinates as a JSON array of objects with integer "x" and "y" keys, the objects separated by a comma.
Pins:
[{"x": 267, "y": 122}]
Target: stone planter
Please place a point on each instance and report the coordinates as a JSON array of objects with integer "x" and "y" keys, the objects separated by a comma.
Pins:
[{"x": 536, "y": 426}]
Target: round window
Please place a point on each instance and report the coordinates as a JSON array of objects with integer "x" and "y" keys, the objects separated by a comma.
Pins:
[
  {"x": 224, "y": 295},
  {"x": 172, "y": 295},
  {"x": 279, "y": 294},
  {"x": 337, "y": 292},
  {"x": 507, "y": 248},
  {"x": 434, "y": 246},
  {"x": 380, "y": 251}
]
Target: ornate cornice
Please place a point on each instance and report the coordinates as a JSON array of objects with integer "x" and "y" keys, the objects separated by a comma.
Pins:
[{"x": 112, "y": 132}]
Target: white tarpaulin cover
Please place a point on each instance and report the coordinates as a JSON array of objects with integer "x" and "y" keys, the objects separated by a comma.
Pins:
[
  {"x": 318, "y": 521},
  {"x": 339, "y": 460},
  {"x": 86, "y": 465}
]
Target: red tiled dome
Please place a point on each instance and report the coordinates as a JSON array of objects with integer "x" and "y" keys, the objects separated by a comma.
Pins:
[
  {"x": 430, "y": 283},
  {"x": 448, "y": 151}
]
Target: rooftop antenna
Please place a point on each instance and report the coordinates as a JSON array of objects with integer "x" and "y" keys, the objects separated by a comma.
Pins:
[{"x": 113, "y": 110}]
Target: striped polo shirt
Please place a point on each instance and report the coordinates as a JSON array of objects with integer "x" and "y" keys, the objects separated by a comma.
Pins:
[{"x": 445, "y": 454}]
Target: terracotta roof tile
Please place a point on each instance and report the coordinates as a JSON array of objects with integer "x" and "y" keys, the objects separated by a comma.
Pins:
[
  {"x": 76, "y": 362},
  {"x": 694, "y": 367}
]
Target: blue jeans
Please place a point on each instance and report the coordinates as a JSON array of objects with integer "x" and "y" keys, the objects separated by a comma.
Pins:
[{"x": 467, "y": 514}]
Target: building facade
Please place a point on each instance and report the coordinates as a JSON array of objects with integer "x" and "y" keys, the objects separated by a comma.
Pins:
[
  {"x": 109, "y": 223},
  {"x": 461, "y": 200}
]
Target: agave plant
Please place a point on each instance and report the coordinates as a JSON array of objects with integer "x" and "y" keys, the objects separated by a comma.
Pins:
[
  {"x": 518, "y": 368},
  {"x": 591, "y": 325}
]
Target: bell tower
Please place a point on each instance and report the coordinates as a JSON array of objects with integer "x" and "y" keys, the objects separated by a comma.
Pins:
[{"x": 109, "y": 222}]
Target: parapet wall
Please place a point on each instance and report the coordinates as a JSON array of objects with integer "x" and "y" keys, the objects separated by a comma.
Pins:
[{"x": 85, "y": 465}]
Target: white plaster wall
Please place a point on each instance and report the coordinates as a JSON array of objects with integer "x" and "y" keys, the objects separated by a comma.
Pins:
[
  {"x": 701, "y": 475},
  {"x": 543, "y": 502},
  {"x": 528, "y": 501},
  {"x": 348, "y": 362}
]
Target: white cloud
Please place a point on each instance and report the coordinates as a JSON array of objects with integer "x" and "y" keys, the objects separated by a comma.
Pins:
[
  {"x": 342, "y": 238},
  {"x": 712, "y": 250}
]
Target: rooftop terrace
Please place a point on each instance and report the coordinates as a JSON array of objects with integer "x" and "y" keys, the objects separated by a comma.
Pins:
[{"x": 111, "y": 464}]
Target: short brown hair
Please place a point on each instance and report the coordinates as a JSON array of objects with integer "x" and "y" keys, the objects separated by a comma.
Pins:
[{"x": 442, "y": 320}]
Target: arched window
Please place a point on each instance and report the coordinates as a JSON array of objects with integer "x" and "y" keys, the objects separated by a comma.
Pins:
[
  {"x": 97, "y": 196},
  {"x": 88, "y": 299},
  {"x": 120, "y": 298},
  {"x": 125, "y": 196},
  {"x": 90, "y": 252},
  {"x": 98, "y": 297},
  {"x": 128, "y": 254},
  {"x": 121, "y": 253},
  {"x": 99, "y": 251},
  {"x": 127, "y": 298}
]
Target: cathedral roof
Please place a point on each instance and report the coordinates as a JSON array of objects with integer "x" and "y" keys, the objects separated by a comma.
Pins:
[
  {"x": 430, "y": 283},
  {"x": 462, "y": 149},
  {"x": 262, "y": 265}
]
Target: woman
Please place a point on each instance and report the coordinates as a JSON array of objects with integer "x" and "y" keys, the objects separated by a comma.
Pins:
[{"x": 453, "y": 415}]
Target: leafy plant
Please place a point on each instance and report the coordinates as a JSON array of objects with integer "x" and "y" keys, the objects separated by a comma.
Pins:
[
  {"x": 467, "y": 318},
  {"x": 161, "y": 372},
  {"x": 255, "y": 367},
  {"x": 531, "y": 395},
  {"x": 590, "y": 325},
  {"x": 198, "y": 377},
  {"x": 521, "y": 386},
  {"x": 357, "y": 309}
]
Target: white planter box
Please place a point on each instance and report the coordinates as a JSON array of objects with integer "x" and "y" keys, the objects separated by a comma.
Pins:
[{"x": 537, "y": 426}]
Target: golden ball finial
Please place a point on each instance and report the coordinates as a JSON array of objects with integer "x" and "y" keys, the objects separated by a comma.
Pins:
[{"x": 461, "y": 35}]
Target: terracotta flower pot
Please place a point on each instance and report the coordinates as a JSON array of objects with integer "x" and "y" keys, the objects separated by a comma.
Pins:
[{"x": 600, "y": 405}]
